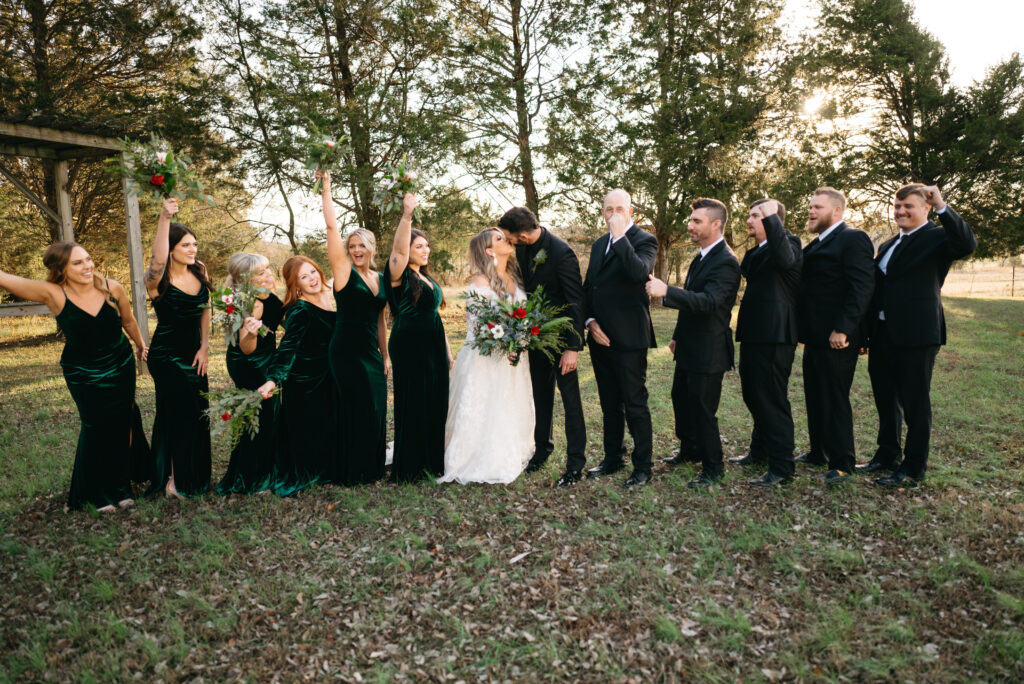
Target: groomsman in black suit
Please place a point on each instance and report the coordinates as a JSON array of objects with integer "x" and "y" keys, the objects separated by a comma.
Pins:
[
  {"x": 547, "y": 261},
  {"x": 702, "y": 341},
  {"x": 766, "y": 331},
  {"x": 835, "y": 290},
  {"x": 618, "y": 320},
  {"x": 908, "y": 325}
]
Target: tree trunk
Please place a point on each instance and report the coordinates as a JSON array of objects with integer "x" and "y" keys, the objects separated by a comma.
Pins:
[{"x": 523, "y": 122}]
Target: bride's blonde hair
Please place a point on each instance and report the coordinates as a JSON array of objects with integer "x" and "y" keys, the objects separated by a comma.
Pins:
[{"x": 482, "y": 263}]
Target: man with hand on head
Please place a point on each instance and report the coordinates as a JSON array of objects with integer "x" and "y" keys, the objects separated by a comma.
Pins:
[
  {"x": 702, "y": 341},
  {"x": 835, "y": 290},
  {"x": 908, "y": 326},
  {"x": 766, "y": 331},
  {"x": 618, "y": 320}
]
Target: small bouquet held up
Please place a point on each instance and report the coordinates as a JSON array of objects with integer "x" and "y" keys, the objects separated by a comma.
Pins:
[
  {"x": 509, "y": 328},
  {"x": 325, "y": 152},
  {"x": 154, "y": 172},
  {"x": 390, "y": 192},
  {"x": 233, "y": 305},
  {"x": 234, "y": 409}
]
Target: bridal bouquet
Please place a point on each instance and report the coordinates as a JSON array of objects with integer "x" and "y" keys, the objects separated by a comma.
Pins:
[
  {"x": 233, "y": 305},
  {"x": 510, "y": 328},
  {"x": 237, "y": 410},
  {"x": 155, "y": 172},
  {"x": 324, "y": 152},
  {"x": 390, "y": 192}
]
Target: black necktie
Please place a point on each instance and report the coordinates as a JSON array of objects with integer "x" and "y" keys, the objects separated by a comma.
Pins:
[{"x": 693, "y": 267}]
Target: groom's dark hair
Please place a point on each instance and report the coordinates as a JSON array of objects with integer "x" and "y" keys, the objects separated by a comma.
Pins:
[{"x": 518, "y": 220}]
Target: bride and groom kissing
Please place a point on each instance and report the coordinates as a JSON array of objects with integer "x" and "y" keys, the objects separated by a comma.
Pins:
[{"x": 499, "y": 414}]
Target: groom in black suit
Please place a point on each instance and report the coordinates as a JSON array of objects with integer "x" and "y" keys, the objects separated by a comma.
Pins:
[
  {"x": 702, "y": 341},
  {"x": 547, "y": 261},
  {"x": 618, "y": 319},
  {"x": 835, "y": 290},
  {"x": 766, "y": 331},
  {"x": 908, "y": 325}
]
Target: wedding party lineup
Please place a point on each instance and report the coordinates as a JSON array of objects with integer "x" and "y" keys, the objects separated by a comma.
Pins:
[{"x": 311, "y": 407}]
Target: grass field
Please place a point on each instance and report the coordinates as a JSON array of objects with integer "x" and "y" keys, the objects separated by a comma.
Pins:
[{"x": 418, "y": 582}]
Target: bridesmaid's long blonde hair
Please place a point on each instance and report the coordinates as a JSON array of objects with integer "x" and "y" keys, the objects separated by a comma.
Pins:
[{"x": 482, "y": 263}]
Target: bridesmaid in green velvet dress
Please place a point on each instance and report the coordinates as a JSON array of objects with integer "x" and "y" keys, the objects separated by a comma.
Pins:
[
  {"x": 359, "y": 350},
  {"x": 307, "y": 428},
  {"x": 420, "y": 355},
  {"x": 99, "y": 370},
  {"x": 178, "y": 356},
  {"x": 251, "y": 466}
]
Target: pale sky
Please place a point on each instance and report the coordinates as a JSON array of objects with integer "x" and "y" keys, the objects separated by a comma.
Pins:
[{"x": 977, "y": 35}]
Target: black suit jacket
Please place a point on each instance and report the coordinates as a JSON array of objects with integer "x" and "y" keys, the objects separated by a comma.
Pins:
[
  {"x": 768, "y": 308},
  {"x": 835, "y": 287},
  {"x": 559, "y": 275},
  {"x": 909, "y": 292},
  {"x": 614, "y": 288},
  {"x": 703, "y": 337}
]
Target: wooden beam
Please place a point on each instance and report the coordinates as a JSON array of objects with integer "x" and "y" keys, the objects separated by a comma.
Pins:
[
  {"x": 67, "y": 227},
  {"x": 37, "y": 152},
  {"x": 55, "y": 136},
  {"x": 24, "y": 309},
  {"x": 135, "y": 267},
  {"x": 31, "y": 195}
]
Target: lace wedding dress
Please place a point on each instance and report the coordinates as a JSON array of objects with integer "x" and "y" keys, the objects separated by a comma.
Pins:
[{"x": 489, "y": 433}]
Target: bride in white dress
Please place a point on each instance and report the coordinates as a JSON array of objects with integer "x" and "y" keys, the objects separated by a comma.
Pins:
[{"x": 489, "y": 433}]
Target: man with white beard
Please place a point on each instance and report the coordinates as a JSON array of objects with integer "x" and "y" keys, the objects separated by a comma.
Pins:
[{"x": 618, "y": 320}]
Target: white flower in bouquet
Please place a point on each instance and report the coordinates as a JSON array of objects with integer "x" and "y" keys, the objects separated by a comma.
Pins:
[
  {"x": 228, "y": 299},
  {"x": 161, "y": 157},
  {"x": 498, "y": 332},
  {"x": 410, "y": 176}
]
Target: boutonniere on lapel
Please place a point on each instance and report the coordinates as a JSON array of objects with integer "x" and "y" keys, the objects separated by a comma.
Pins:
[{"x": 540, "y": 257}]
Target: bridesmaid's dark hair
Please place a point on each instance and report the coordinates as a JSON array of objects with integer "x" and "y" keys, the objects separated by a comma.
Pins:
[
  {"x": 174, "y": 236},
  {"x": 56, "y": 261},
  {"x": 415, "y": 284}
]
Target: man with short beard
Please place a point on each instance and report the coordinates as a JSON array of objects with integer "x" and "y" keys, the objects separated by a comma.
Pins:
[
  {"x": 835, "y": 291},
  {"x": 547, "y": 262},
  {"x": 908, "y": 326},
  {"x": 702, "y": 341},
  {"x": 766, "y": 331},
  {"x": 618, "y": 321}
]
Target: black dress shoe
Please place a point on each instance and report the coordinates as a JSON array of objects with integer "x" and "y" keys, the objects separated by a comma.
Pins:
[
  {"x": 605, "y": 469},
  {"x": 534, "y": 466},
  {"x": 873, "y": 466},
  {"x": 702, "y": 481},
  {"x": 834, "y": 477},
  {"x": 570, "y": 478},
  {"x": 770, "y": 479},
  {"x": 638, "y": 479},
  {"x": 748, "y": 460},
  {"x": 810, "y": 459},
  {"x": 898, "y": 479}
]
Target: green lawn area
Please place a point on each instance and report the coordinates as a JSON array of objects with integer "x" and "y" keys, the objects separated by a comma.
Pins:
[{"x": 417, "y": 582}]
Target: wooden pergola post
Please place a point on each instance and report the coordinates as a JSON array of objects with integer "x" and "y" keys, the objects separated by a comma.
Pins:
[{"x": 21, "y": 140}]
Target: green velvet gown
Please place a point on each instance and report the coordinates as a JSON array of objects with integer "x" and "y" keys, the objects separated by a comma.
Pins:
[
  {"x": 251, "y": 466},
  {"x": 358, "y": 369},
  {"x": 99, "y": 369},
  {"x": 419, "y": 361},
  {"x": 307, "y": 428},
  {"x": 181, "y": 431}
]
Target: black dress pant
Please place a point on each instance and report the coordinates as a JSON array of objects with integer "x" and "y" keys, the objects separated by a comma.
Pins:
[
  {"x": 901, "y": 380},
  {"x": 695, "y": 398},
  {"x": 828, "y": 377},
  {"x": 544, "y": 375},
  {"x": 764, "y": 379},
  {"x": 622, "y": 387}
]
